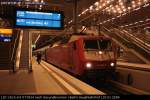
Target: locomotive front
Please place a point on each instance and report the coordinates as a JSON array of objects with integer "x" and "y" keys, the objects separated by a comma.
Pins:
[{"x": 99, "y": 56}]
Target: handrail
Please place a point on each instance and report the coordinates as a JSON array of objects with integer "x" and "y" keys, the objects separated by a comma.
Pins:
[
  {"x": 142, "y": 67},
  {"x": 14, "y": 46},
  {"x": 17, "y": 57}
]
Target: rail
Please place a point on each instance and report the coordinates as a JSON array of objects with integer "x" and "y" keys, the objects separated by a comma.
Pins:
[
  {"x": 141, "y": 67},
  {"x": 129, "y": 88}
]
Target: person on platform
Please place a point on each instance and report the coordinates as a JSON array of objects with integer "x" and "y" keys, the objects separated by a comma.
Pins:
[{"x": 39, "y": 56}]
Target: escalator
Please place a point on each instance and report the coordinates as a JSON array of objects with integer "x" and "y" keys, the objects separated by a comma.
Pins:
[
  {"x": 127, "y": 42},
  {"x": 137, "y": 45},
  {"x": 24, "y": 55}
]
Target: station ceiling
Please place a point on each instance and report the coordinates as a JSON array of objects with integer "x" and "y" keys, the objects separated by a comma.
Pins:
[{"x": 132, "y": 14}]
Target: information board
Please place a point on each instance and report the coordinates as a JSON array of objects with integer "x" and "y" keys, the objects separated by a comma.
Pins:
[{"x": 34, "y": 19}]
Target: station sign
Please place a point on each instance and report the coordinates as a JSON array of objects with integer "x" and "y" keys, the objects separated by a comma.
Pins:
[{"x": 38, "y": 19}]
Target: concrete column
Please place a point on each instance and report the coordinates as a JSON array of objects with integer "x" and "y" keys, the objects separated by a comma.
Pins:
[
  {"x": 99, "y": 29},
  {"x": 30, "y": 51},
  {"x": 75, "y": 15}
]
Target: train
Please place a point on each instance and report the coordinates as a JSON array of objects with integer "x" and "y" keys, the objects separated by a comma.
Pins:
[{"x": 92, "y": 56}]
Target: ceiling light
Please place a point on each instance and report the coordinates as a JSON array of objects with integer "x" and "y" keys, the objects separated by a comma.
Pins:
[
  {"x": 124, "y": 10},
  {"x": 139, "y": 3},
  {"x": 133, "y": 5},
  {"x": 114, "y": 11},
  {"x": 141, "y": 21},
  {"x": 110, "y": 6},
  {"x": 104, "y": 4},
  {"x": 119, "y": 16},
  {"x": 124, "y": 14},
  {"x": 146, "y": 5},
  {"x": 147, "y": 19},
  {"x": 131, "y": 24},
  {"x": 137, "y": 8},
  {"x": 129, "y": 8},
  {"x": 91, "y": 7},
  {"x": 36, "y": 0},
  {"x": 113, "y": 18},
  {"x": 107, "y": 1},
  {"x": 96, "y": 3},
  {"x": 122, "y": 7},
  {"x": 42, "y": 1},
  {"x": 133, "y": 2},
  {"x": 97, "y": 8},
  {"x": 145, "y": 0}
]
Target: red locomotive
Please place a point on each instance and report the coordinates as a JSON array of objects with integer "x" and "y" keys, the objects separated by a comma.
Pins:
[{"x": 85, "y": 55}]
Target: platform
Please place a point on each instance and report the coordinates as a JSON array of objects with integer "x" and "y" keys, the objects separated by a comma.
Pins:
[{"x": 42, "y": 81}]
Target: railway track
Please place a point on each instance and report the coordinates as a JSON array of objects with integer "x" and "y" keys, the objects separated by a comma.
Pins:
[
  {"x": 111, "y": 87},
  {"x": 108, "y": 88},
  {"x": 112, "y": 90},
  {"x": 104, "y": 86}
]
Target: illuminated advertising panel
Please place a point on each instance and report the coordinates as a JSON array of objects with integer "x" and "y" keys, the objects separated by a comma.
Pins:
[
  {"x": 5, "y": 35},
  {"x": 34, "y": 19}
]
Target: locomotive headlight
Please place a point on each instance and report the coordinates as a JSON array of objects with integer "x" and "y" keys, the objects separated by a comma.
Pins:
[
  {"x": 88, "y": 65},
  {"x": 112, "y": 64},
  {"x": 100, "y": 52}
]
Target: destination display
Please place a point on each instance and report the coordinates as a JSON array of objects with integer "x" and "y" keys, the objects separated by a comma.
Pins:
[{"x": 39, "y": 19}]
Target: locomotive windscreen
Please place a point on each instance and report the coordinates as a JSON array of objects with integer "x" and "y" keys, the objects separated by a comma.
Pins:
[
  {"x": 104, "y": 44},
  {"x": 97, "y": 44},
  {"x": 90, "y": 44}
]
